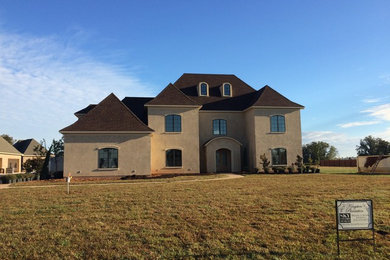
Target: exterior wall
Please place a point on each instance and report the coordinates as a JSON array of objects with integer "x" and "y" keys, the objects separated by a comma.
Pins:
[
  {"x": 6, "y": 159},
  {"x": 383, "y": 165},
  {"x": 187, "y": 140},
  {"x": 291, "y": 140},
  {"x": 250, "y": 144},
  {"x": 227, "y": 143},
  {"x": 235, "y": 124},
  {"x": 81, "y": 154}
]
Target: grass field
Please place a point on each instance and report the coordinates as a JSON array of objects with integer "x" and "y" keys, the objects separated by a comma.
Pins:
[
  {"x": 258, "y": 216},
  {"x": 338, "y": 170}
]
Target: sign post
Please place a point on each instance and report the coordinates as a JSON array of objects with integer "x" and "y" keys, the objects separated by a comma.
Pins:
[
  {"x": 354, "y": 215},
  {"x": 68, "y": 181}
]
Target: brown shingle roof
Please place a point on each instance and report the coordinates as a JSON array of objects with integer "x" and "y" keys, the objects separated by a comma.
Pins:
[
  {"x": 171, "y": 95},
  {"x": 27, "y": 146},
  {"x": 188, "y": 83},
  {"x": 267, "y": 96},
  {"x": 243, "y": 95},
  {"x": 86, "y": 109},
  {"x": 109, "y": 115}
]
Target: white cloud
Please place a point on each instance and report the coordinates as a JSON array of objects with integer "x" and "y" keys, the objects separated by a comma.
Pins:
[
  {"x": 345, "y": 145},
  {"x": 358, "y": 123},
  {"x": 380, "y": 112},
  {"x": 43, "y": 81},
  {"x": 372, "y": 100},
  {"x": 383, "y": 134}
]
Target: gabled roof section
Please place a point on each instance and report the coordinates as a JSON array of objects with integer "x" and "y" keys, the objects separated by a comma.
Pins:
[
  {"x": 110, "y": 115},
  {"x": 172, "y": 96},
  {"x": 26, "y": 146},
  {"x": 86, "y": 109},
  {"x": 7, "y": 148},
  {"x": 268, "y": 97}
]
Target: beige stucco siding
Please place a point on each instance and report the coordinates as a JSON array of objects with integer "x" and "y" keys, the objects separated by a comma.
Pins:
[
  {"x": 250, "y": 145},
  {"x": 291, "y": 140},
  {"x": 235, "y": 123},
  {"x": 187, "y": 140},
  {"x": 236, "y": 129},
  {"x": 10, "y": 161},
  {"x": 81, "y": 154}
]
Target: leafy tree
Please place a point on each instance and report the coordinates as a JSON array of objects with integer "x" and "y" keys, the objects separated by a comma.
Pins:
[
  {"x": 33, "y": 165},
  {"x": 36, "y": 164},
  {"x": 373, "y": 146},
  {"x": 318, "y": 151},
  {"x": 58, "y": 149},
  {"x": 45, "y": 174},
  {"x": 9, "y": 139}
]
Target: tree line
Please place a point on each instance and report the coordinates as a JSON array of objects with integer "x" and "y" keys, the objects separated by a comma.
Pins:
[{"x": 314, "y": 152}]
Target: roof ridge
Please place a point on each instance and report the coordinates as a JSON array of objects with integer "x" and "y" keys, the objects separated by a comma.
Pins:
[
  {"x": 267, "y": 89},
  {"x": 169, "y": 92},
  {"x": 96, "y": 119},
  {"x": 213, "y": 74}
]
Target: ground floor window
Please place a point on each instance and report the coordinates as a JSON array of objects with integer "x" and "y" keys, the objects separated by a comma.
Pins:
[
  {"x": 108, "y": 158},
  {"x": 173, "y": 158},
  {"x": 279, "y": 156}
]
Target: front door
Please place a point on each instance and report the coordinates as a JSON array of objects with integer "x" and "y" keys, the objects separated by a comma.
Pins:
[{"x": 223, "y": 160}]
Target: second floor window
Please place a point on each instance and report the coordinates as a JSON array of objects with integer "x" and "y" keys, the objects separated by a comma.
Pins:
[
  {"x": 278, "y": 124},
  {"x": 227, "y": 89},
  {"x": 172, "y": 123},
  {"x": 219, "y": 127},
  {"x": 108, "y": 158},
  {"x": 203, "y": 89}
]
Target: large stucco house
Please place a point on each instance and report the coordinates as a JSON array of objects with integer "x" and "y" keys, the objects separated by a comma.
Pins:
[{"x": 201, "y": 123}]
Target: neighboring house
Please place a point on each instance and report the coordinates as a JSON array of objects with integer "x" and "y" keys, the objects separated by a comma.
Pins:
[
  {"x": 10, "y": 158},
  {"x": 201, "y": 123},
  {"x": 26, "y": 147}
]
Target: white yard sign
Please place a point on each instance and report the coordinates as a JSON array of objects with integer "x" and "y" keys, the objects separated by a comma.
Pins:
[{"x": 354, "y": 214}]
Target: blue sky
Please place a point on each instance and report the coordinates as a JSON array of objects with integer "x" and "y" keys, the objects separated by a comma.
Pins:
[{"x": 333, "y": 57}]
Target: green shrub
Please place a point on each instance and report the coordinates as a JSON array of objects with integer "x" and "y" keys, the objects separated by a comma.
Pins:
[
  {"x": 265, "y": 163},
  {"x": 8, "y": 178}
]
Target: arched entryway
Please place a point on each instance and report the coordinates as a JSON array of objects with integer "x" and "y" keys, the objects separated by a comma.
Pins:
[
  {"x": 223, "y": 160},
  {"x": 223, "y": 154}
]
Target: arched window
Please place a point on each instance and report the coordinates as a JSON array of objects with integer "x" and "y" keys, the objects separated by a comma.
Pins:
[
  {"x": 173, "y": 123},
  {"x": 279, "y": 156},
  {"x": 278, "y": 124},
  {"x": 219, "y": 127},
  {"x": 227, "y": 89},
  {"x": 108, "y": 158},
  {"x": 173, "y": 158},
  {"x": 203, "y": 89}
]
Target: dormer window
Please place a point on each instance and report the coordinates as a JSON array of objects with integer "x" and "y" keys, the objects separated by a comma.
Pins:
[
  {"x": 203, "y": 89},
  {"x": 226, "y": 90}
]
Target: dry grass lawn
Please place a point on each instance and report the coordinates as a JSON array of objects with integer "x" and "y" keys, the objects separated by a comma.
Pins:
[{"x": 258, "y": 216}]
